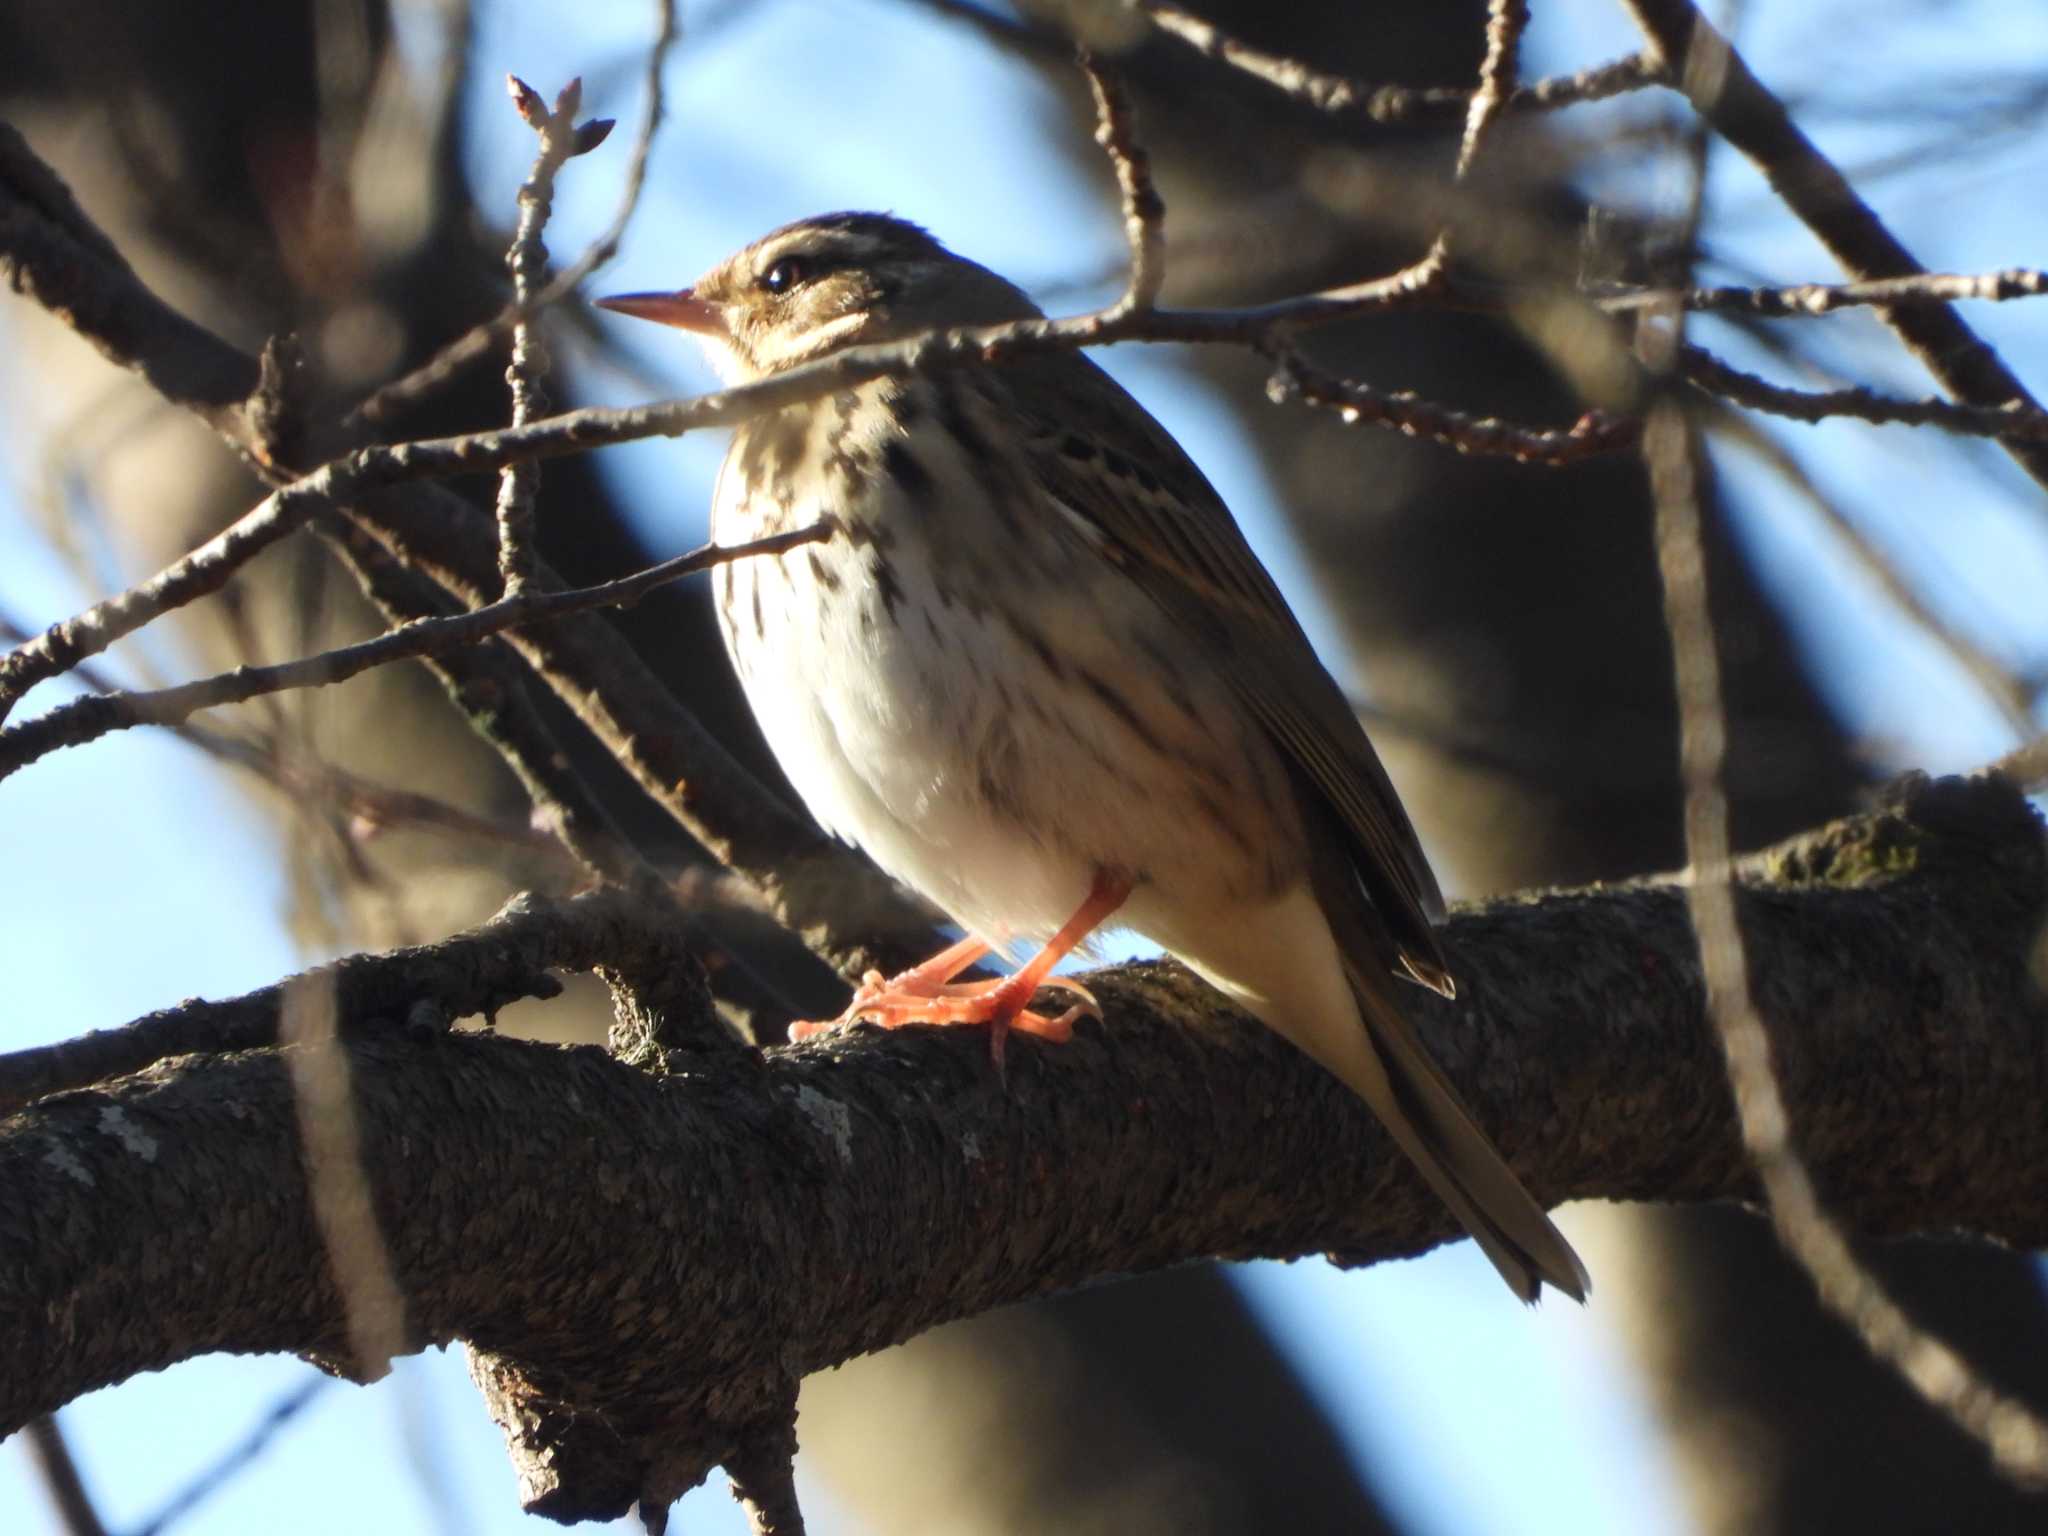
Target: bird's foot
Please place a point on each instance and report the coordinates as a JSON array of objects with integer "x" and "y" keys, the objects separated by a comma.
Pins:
[
  {"x": 894, "y": 1002},
  {"x": 927, "y": 994},
  {"x": 998, "y": 1002},
  {"x": 928, "y": 980}
]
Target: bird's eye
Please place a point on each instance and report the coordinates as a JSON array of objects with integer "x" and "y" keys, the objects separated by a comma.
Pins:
[{"x": 785, "y": 275}]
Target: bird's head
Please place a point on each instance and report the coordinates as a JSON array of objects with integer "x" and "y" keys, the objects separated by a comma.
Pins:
[{"x": 822, "y": 284}]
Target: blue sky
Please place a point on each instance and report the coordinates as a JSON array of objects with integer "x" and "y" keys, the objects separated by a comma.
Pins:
[{"x": 1474, "y": 1414}]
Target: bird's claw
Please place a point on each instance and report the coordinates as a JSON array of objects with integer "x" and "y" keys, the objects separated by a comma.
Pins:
[{"x": 996, "y": 1003}]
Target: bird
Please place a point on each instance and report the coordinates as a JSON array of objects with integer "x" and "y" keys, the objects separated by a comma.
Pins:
[{"x": 1038, "y": 675}]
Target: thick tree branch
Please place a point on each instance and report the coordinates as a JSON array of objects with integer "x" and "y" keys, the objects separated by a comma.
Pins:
[
  {"x": 52, "y": 253},
  {"x": 473, "y": 974},
  {"x": 714, "y": 1234}
]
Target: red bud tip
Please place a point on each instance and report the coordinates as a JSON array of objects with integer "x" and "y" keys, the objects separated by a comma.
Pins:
[{"x": 528, "y": 101}]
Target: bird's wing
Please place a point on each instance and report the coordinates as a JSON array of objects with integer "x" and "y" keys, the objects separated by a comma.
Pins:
[{"x": 1106, "y": 461}]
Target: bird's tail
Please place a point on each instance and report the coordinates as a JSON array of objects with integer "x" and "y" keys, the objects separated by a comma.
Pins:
[
  {"x": 1317, "y": 966},
  {"x": 1394, "y": 1074}
]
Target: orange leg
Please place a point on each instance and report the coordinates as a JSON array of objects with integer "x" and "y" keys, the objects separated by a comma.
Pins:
[
  {"x": 928, "y": 995},
  {"x": 927, "y": 979}
]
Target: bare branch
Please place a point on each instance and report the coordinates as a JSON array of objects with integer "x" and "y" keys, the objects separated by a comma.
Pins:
[
  {"x": 498, "y": 963},
  {"x": 1506, "y": 21},
  {"x": 1801, "y": 300},
  {"x": 1395, "y": 103},
  {"x": 490, "y": 689},
  {"x": 833, "y": 898},
  {"x": 236, "y": 1458},
  {"x": 1742, "y": 110},
  {"x": 2016, "y": 1436},
  {"x": 2010, "y": 694},
  {"x": 87, "y": 719},
  {"x": 1116, "y": 130},
  {"x": 206, "y": 569},
  {"x": 1593, "y": 435},
  {"x": 369, "y": 803},
  {"x": 51, "y": 253},
  {"x": 69, "y": 1502},
  {"x": 474, "y": 343},
  {"x": 337, "y": 1184},
  {"x": 1579, "y": 1037},
  {"x": 2020, "y": 421},
  {"x": 518, "y": 484}
]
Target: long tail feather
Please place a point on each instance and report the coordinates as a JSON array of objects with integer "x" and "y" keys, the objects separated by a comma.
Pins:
[{"x": 1426, "y": 1118}]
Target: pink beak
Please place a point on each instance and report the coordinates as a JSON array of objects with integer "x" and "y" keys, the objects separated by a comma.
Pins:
[{"x": 682, "y": 309}]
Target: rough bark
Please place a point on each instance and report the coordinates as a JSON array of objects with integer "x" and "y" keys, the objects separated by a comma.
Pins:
[{"x": 664, "y": 1256}]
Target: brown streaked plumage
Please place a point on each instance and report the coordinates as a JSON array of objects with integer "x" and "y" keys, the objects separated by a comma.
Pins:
[{"x": 1042, "y": 679}]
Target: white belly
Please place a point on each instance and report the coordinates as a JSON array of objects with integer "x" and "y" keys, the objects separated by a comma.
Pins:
[{"x": 991, "y": 755}]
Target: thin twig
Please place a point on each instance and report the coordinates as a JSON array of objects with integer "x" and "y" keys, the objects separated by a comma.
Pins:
[
  {"x": 1724, "y": 91},
  {"x": 2020, "y": 421},
  {"x": 86, "y": 719},
  {"x": 1801, "y": 300},
  {"x": 2011, "y": 694},
  {"x": 474, "y": 343},
  {"x": 491, "y": 690},
  {"x": 1116, "y": 130},
  {"x": 206, "y": 569},
  {"x": 1506, "y": 21},
  {"x": 54, "y": 1464},
  {"x": 366, "y": 803},
  {"x": 1395, "y": 103},
  {"x": 561, "y": 137},
  {"x": 337, "y": 1182},
  {"x": 2016, "y": 1437},
  {"x": 1593, "y": 435},
  {"x": 236, "y": 1458},
  {"x": 1430, "y": 277}
]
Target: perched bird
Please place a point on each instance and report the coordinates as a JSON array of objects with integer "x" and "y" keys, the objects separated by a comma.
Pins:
[{"x": 1040, "y": 677}]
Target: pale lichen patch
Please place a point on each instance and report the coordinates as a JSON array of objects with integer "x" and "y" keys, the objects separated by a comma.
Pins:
[
  {"x": 61, "y": 1158},
  {"x": 114, "y": 1121},
  {"x": 832, "y": 1118}
]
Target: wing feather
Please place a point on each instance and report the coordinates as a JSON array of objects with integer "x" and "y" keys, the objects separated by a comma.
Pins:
[{"x": 1156, "y": 512}]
